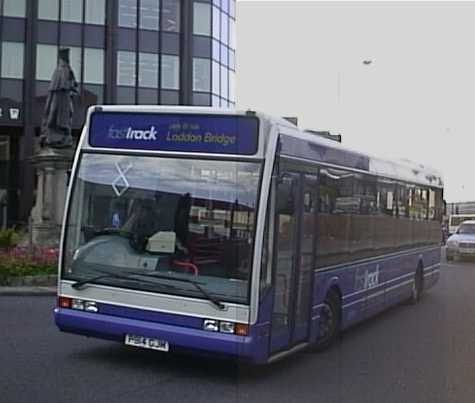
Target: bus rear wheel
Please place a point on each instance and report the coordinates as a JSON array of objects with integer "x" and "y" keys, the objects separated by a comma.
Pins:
[{"x": 329, "y": 323}]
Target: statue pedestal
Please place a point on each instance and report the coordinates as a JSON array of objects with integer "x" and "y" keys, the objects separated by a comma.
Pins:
[{"x": 52, "y": 167}]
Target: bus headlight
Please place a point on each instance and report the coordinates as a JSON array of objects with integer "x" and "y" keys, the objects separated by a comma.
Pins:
[
  {"x": 78, "y": 304},
  {"x": 226, "y": 327},
  {"x": 211, "y": 325}
]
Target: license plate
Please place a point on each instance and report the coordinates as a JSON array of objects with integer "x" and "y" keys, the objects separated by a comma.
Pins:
[{"x": 146, "y": 342}]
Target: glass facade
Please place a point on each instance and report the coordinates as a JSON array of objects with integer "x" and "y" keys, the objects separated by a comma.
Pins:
[
  {"x": 223, "y": 44},
  {"x": 165, "y": 52}
]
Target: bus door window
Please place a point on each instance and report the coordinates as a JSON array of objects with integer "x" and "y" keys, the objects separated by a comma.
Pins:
[
  {"x": 307, "y": 209},
  {"x": 284, "y": 263}
]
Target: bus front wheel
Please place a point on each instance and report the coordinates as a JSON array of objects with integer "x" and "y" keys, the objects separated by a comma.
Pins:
[{"x": 329, "y": 323}]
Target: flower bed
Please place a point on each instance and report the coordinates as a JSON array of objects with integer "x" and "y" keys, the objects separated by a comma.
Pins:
[{"x": 21, "y": 262}]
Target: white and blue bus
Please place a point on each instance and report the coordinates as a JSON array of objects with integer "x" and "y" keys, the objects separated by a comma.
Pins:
[{"x": 235, "y": 234}]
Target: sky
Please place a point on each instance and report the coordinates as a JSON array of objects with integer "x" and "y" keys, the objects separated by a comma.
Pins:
[{"x": 415, "y": 99}]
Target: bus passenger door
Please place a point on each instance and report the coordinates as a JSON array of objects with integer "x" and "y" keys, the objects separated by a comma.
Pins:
[
  {"x": 306, "y": 259},
  {"x": 285, "y": 247},
  {"x": 294, "y": 245}
]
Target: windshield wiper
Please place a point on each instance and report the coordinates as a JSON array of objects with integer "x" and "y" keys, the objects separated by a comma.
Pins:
[
  {"x": 82, "y": 283},
  {"x": 196, "y": 284}
]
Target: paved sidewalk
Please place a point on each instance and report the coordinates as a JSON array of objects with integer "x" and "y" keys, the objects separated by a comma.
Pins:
[{"x": 27, "y": 291}]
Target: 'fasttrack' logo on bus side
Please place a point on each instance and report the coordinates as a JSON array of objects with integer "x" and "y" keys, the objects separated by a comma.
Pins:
[{"x": 131, "y": 134}]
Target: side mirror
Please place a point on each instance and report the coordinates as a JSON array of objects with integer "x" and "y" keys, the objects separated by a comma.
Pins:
[{"x": 285, "y": 203}]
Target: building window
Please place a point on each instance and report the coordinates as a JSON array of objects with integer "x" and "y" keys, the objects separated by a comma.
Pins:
[
  {"x": 48, "y": 10},
  {"x": 225, "y": 5},
  {"x": 171, "y": 15},
  {"x": 46, "y": 60},
  {"x": 170, "y": 72},
  {"x": 224, "y": 82},
  {"x": 126, "y": 68},
  {"x": 232, "y": 88},
  {"x": 201, "y": 19},
  {"x": 232, "y": 34},
  {"x": 12, "y": 60},
  {"x": 216, "y": 23},
  {"x": 128, "y": 13},
  {"x": 71, "y": 10},
  {"x": 14, "y": 8},
  {"x": 93, "y": 66},
  {"x": 148, "y": 70},
  {"x": 149, "y": 14},
  {"x": 201, "y": 74},
  {"x": 215, "y": 77},
  {"x": 224, "y": 28},
  {"x": 224, "y": 55},
  {"x": 232, "y": 8},
  {"x": 215, "y": 50},
  {"x": 232, "y": 60},
  {"x": 95, "y": 12},
  {"x": 75, "y": 60}
]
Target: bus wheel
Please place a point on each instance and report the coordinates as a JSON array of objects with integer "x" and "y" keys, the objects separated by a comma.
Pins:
[
  {"x": 329, "y": 324},
  {"x": 417, "y": 286}
]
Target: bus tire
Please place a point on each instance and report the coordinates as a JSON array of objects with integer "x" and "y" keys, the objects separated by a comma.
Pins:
[
  {"x": 330, "y": 320},
  {"x": 417, "y": 286}
]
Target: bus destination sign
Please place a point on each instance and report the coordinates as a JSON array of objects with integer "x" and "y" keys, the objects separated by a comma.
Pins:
[{"x": 217, "y": 134}]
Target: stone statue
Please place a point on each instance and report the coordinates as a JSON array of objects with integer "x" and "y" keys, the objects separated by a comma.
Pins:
[{"x": 58, "y": 113}]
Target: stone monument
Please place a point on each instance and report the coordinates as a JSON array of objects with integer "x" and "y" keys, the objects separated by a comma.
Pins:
[{"x": 54, "y": 157}]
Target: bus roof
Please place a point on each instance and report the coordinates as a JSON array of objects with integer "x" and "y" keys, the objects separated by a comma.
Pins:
[{"x": 404, "y": 170}]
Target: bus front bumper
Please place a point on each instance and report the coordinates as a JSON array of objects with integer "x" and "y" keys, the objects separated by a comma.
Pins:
[{"x": 179, "y": 338}]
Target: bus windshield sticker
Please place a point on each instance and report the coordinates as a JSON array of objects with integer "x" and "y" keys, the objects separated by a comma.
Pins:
[
  {"x": 174, "y": 132},
  {"x": 121, "y": 184},
  {"x": 162, "y": 242}
]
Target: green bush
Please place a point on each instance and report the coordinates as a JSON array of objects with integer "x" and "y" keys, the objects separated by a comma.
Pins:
[
  {"x": 8, "y": 238},
  {"x": 18, "y": 266}
]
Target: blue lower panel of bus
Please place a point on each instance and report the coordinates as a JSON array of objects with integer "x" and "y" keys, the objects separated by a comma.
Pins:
[{"x": 178, "y": 337}]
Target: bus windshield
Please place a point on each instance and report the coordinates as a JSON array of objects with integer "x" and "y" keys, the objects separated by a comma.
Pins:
[{"x": 183, "y": 218}]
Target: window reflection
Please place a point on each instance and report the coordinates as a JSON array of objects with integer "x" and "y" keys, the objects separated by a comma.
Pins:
[
  {"x": 95, "y": 12},
  {"x": 201, "y": 74},
  {"x": 216, "y": 23},
  {"x": 128, "y": 13},
  {"x": 14, "y": 8},
  {"x": 224, "y": 28},
  {"x": 170, "y": 72},
  {"x": 71, "y": 10},
  {"x": 171, "y": 15},
  {"x": 46, "y": 59},
  {"x": 148, "y": 70},
  {"x": 48, "y": 10},
  {"x": 75, "y": 61},
  {"x": 126, "y": 68},
  {"x": 149, "y": 14},
  {"x": 201, "y": 19},
  {"x": 12, "y": 60},
  {"x": 94, "y": 66}
]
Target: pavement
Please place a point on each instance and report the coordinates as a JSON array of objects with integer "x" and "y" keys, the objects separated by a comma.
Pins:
[{"x": 423, "y": 353}]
